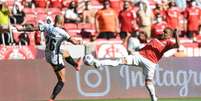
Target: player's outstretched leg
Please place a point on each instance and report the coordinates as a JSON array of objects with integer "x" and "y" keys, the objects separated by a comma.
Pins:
[
  {"x": 97, "y": 63},
  {"x": 58, "y": 87},
  {"x": 151, "y": 89},
  {"x": 70, "y": 60},
  {"x": 106, "y": 62}
]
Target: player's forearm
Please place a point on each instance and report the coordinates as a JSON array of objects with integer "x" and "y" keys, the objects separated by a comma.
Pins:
[
  {"x": 74, "y": 41},
  {"x": 28, "y": 29}
]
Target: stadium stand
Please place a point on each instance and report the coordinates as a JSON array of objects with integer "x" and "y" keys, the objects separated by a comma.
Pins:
[{"x": 35, "y": 14}]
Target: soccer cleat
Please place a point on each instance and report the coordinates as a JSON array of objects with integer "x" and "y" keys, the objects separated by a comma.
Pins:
[
  {"x": 155, "y": 99},
  {"x": 96, "y": 64},
  {"x": 50, "y": 100},
  {"x": 79, "y": 61}
]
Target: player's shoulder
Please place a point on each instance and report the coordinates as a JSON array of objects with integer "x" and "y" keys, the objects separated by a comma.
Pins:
[{"x": 60, "y": 30}]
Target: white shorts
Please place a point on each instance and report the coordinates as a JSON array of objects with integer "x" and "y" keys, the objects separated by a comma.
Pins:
[
  {"x": 148, "y": 66},
  {"x": 54, "y": 59}
]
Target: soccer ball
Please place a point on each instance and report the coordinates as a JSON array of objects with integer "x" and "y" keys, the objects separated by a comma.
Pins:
[{"x": 88, "y": 59}]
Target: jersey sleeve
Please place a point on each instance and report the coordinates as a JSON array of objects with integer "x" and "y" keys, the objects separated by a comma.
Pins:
[
  {"x": 65, "y": 34},
  {"x": 133, "y": 44},
  {"x": 170, "y": 44}
]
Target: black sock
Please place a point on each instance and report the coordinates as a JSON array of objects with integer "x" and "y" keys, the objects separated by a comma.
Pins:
[
  {"x": 57, "y": 89},
  {"x": 70, "y": 60}
]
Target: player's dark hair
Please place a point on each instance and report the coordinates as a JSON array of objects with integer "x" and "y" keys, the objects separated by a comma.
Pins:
[{"x": 168, "y": 30}]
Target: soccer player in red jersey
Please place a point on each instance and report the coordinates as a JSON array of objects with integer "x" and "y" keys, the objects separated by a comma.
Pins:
[
  {"x": 147, "y": 58},
  {"x": 193, "y": 16}
]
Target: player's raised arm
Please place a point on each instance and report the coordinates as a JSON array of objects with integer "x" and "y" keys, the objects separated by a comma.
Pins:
[{"x": 30, "y": 28}]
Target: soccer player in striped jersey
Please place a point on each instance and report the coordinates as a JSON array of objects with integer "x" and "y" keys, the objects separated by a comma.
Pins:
[{"x": 55, "y": 35}]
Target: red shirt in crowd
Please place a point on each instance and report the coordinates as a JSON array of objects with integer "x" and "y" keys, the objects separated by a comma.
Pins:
[
  {"x": 126, "y": 19},
  {"x": 157, "y": 28},
  {"x": 56, "y": 3},
  {"x": 158, "y": 11},
  {"x": 192, "y": 15},
  {"x": 155, "y": 49},
  {"x": 41, "y": 3},
  {"x": 172, "y": 17}
]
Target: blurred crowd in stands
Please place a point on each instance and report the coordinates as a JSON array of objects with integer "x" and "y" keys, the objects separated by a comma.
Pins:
[{"x": 138, "y": 20}]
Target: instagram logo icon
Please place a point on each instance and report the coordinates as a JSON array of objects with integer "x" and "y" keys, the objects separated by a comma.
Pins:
[{"x": 94, "y": 83}]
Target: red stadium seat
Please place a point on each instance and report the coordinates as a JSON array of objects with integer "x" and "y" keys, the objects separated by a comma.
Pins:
[
  {"x": 85, "y": 26},
  {"x": 33, "y": 22},
  {"x": 54, "y": 10},
  {"x": 95, "y": 2},
  {"x": 72, "y": 34},
  {"x": 41, "y": 17},
  {"x": 198, "y": 38},
  {"x": 192, "y": 45},
  {"x": 10, "y": 2},
  {"x": 70, "y": 26},
  {"x": 29, "y": 11},
  {"x": 30, "y": 17},
  {"x": 40, "y": 10}
]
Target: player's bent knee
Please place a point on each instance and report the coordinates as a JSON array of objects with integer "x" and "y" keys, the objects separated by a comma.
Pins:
[
  {"x": 63, "y": 79},
  {"x": 66, "y": 53}
]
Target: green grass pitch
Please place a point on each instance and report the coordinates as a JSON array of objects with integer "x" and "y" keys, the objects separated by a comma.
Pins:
[{"x": 162, "y": 99}]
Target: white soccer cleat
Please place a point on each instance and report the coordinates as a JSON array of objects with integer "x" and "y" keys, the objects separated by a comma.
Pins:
[
  {"x": 96, "y": 64},
  {"x": 155, "y": 99}
]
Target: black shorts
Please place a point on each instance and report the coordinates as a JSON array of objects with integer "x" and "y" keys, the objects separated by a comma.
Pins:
[
  {"x": 123, "y": 35},
  {"x": 57, "y": 67},
  {"x": 106, "y": 35}
]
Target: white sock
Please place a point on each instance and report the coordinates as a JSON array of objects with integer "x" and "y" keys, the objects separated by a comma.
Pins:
[{"x": 151, "y": 89}]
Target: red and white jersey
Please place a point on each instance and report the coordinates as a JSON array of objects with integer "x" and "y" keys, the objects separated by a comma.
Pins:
[
  {"x": 193, "y": 18},
  {"x": 126, "y": 19},
  {"x": 158, "y": 28},
  {"x": 172, "y": 17},
  {"x": 155, "y": 49}
]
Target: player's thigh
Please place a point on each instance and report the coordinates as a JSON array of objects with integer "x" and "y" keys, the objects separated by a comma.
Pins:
[
  {"x": 65, "y": 52},
  {"x": 148, "y": 68},
  {"x": 149, "y": 72},
  {"x": 132, "y": 60},
  {"x": 57, "y": 62}
]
